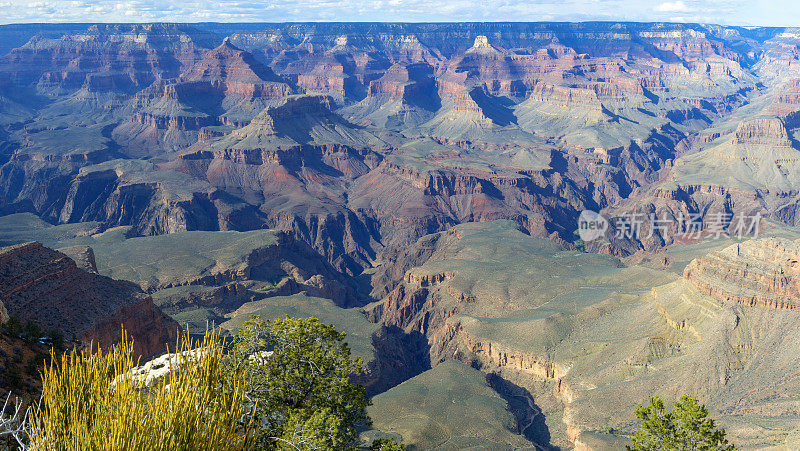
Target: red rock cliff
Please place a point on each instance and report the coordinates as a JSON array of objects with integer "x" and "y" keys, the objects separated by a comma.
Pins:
[{"x": 47, "y": 287}]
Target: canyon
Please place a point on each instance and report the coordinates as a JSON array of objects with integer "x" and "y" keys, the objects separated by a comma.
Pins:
[{"x": 419, "y": 185}]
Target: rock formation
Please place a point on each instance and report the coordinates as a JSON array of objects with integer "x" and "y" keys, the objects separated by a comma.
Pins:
[
  {"x": 761, "y": 272},
  {"x": 227, "y": 87},
  {"x": 106, "y": 57},
  {"x": 532, "y": 122},
  {"x": 45, "y": 286}
]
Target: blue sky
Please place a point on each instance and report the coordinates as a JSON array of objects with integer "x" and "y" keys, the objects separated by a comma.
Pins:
[{"x": 727, "y": 12}]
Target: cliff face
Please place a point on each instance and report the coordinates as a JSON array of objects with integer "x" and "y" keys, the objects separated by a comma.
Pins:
[
  {"x": 45, "y": 286},
  {"x": 762, "y": 272},
  {"x": 107, "y": 57},
  {"x": 504, "y": 302},
  {"x": 227, "y": 87},
  {"x": 762, "y": 132},
  {"x": 551, "y": 321},
  {"x": 444, "y": 123}
]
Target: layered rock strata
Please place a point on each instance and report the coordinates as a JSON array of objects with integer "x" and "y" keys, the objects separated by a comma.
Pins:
[{"x": 46, "y": 287}]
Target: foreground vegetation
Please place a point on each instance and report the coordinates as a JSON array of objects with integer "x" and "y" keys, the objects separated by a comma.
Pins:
[
  {"x": 297, "y": 373},
  {"x": 284, "y": 384},
  {"x": 95, "y": 401}
]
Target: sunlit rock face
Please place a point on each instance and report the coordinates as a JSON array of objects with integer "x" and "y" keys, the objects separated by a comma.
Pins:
[{"x": 757, "y": 272}]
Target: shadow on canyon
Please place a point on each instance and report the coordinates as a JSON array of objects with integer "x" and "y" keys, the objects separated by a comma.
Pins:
[{"x": 530, "y": 419}]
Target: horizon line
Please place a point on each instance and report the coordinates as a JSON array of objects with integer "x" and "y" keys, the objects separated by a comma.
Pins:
[{"x": 322, "y": 21}]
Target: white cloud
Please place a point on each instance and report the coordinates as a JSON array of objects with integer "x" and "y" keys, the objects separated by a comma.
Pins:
[
  {"x": 673, "y": 7},
  {"x": 727, "y": 12}
]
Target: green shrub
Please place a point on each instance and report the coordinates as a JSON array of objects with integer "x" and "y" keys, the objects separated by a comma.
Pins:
[
  {"x": 32, "y": 332},
  {"x": 386, "y": 444},
  {"x": 13, "y": 326},
  {"x": 303, "y": 393},
  {"x": 14, "y": 375},
  {"x": 284, "y": 385},
  {"x": 56, "y": 338}
]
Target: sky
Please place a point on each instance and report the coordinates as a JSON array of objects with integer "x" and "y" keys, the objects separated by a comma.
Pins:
[{"x": 724, "y": 12}]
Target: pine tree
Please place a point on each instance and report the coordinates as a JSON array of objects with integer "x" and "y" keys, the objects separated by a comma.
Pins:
[{"x": 686, "y": 427}]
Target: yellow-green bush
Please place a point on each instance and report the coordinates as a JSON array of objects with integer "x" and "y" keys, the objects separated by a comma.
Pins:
[{"x": 92, "y": 401}]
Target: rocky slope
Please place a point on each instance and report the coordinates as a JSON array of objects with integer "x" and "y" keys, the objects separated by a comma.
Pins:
[
  {"x": 106, "y": 57},
  {"x": 497, "y": 299},
  {"x": 753, "y": 273},
  {"x": 587, "y": 339},
  {"x": 45, "y": 286}
]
